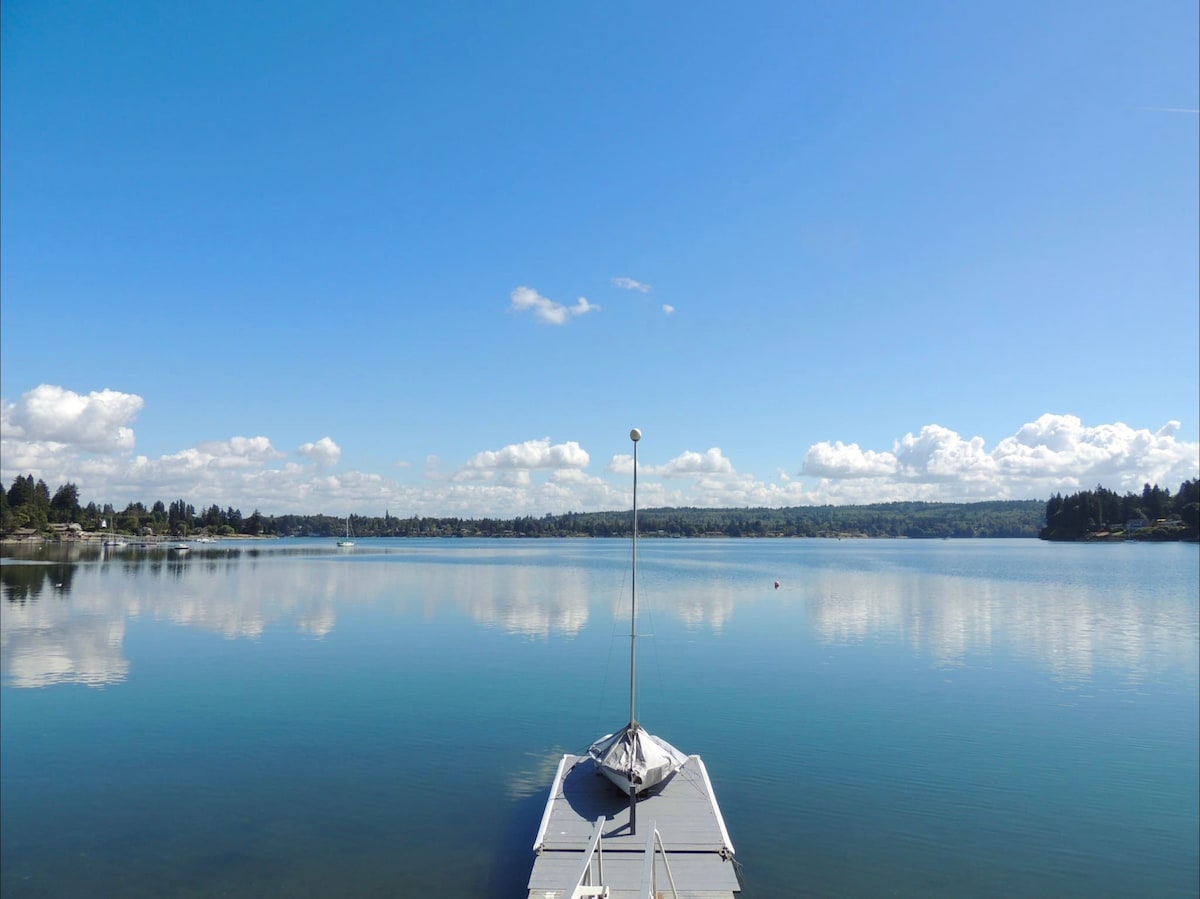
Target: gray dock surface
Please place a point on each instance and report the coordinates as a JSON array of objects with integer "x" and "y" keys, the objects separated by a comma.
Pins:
[{"x": 683, "y": 809}]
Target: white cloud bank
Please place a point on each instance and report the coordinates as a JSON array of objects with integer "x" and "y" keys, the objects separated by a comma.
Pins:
[
  {"x": 48, "y": 414},
  {"x": 527, "y": 299},
  {"x": 61, "y": 436},
  {"x": 1055, "y": 453}
]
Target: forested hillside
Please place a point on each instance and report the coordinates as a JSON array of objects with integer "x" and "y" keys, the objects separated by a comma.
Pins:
[{"x": 29, "y": 504}]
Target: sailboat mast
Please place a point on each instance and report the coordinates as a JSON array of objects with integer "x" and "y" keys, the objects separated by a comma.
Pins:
[{"x": 635, "y": 435}]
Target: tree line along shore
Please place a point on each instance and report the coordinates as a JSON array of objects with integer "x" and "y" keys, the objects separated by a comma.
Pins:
[
  {"x": 28, "y": 510},
  {"x": 1102, "y": 514}
]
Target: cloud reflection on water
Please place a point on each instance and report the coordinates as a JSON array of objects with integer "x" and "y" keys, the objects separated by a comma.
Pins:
[
  {"x": 73, "y": 630},
  {"x": 66, "y": 622},
  {"x": 531, "y": 778},
  {"x": 39, "y": 651},
  {"x": 1070, "y": 629},
  {"x": 526, "y": 600}
]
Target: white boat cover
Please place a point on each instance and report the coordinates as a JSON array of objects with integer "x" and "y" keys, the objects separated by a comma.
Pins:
[{"x": 635, "y": 756}]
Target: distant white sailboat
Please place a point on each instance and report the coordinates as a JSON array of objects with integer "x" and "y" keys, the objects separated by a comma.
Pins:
[
  {"x": 347, "y": 541},
  {"x": 113, "y": 541}
]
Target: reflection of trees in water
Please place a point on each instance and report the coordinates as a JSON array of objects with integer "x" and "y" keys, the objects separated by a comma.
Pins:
[
  {"x": 80, "y": 639},
  {"x": 29, "y": 575},
  {"x": 26, "y": 583}
]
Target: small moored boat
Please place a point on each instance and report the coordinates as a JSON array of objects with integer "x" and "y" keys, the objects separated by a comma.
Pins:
[{"x": 347, "y": 541}]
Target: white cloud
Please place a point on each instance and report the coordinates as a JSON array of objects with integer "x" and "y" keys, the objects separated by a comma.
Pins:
[
  {"x": 687, "y": 464},
  {"x": 935, "y": 454},
  {"x": 237, "y": 452},
  {"x": 526, "y": 298},
  {"x": 939, "y": 454},
  {"x": 324, "y": 452},
  {"x": 514, "y": 479},
  {"x": 621, "y": 464},
  {"x": 532, "y": 454},
  {"x": 630, "y": 284},
  {"x": 841, "y": 460},
  {"x": 691, "y": 464},
  {"x": 1054, "y": 453},
  {"x": 98, "y": 422},
  {"x": 1059, "y": 452}
]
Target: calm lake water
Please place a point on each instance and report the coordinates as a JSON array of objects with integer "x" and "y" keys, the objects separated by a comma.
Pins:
[{"x": 901, "y": 718}]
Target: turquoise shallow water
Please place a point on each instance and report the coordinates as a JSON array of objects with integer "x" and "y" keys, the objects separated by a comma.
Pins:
[{"x": 985, "y": 718}]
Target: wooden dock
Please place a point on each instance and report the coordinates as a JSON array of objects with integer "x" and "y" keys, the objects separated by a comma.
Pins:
[{"x": 684, "y": 810}]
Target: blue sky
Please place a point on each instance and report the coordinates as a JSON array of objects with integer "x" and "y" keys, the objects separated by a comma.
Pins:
[{"x": 439, "y": 258}]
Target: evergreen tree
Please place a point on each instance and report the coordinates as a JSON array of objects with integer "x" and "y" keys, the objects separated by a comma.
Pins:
[
  {"x": 64, "y": 506},
  {"x": 21, "y": 491}
]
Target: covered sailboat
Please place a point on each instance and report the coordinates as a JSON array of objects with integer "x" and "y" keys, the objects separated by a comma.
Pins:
[
  {"x": 633, "y": 758},
  {"x": 588, "y": 843}
]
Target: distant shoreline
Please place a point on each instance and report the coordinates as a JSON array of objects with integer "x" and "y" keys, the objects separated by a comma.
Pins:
[
  {"x": 153, "y": 542},
  {"x": 92, "y": 539},
  {"x": 1178, "y": 536},
  {"x": 95, "y": 540}
]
